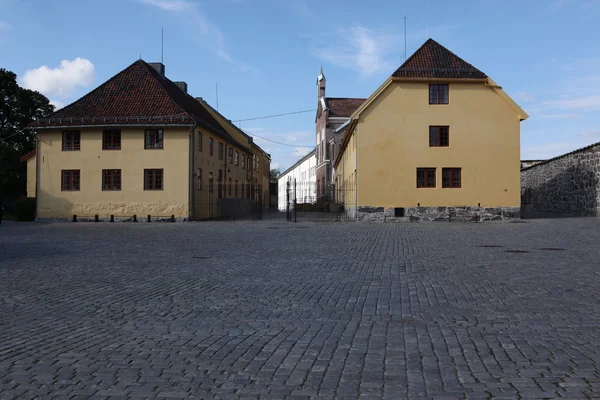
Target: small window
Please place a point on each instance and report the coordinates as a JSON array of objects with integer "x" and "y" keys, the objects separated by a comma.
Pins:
[
  {"x": 230, "y": 186},
  {"x": 199, "y": 178},
  {"x": 451, "y": 178},
  {"x": 153, "y": 179},
  {"x": 230, "y": 156},
  {"x": 220, "y": 151},
  {"x": 425, "y": 177},
  {"x": 199, "y": 141},
  {"x": 438, "y": 94},
  {"x": 211, "y": 146},
  {"x": 243, "y": 161},
  {"x": 70, "y": 180},
  {"x": 439, "y": 136},
  {"x": 210, "y": 182},
  {"x": 111, "y": 179},
  {"x": 237, "y": 158},
  {"x": 71, "y": 141},
  {"x": 111, "y": 139},
  {"x": 154, "y": 139}
]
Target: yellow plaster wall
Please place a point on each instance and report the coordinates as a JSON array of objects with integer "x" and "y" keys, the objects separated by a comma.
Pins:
[
  {"x": 393, "y": 141},
  {"x": 31, "y": 176},
  {"x": 132, "y": 159},
  {"x": 346, "y": 173}
]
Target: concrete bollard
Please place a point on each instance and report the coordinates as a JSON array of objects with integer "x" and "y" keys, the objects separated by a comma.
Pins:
[
  {"x": 112, "y": 218},
  {"x": 96, "y": 218},
  {"x": 74, "y": 218},
  {"x": 134, "y": 218}
]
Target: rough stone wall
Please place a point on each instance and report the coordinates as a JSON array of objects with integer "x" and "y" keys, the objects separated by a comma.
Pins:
[
  {"x": 567, "y": 185},
  {"x": 476, "y": 214}
]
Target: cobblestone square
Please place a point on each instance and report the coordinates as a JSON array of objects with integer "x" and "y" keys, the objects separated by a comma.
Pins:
[{"x": 277, "y": 310}]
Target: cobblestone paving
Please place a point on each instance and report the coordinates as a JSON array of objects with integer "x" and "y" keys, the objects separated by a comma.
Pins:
[{"x": 272, "y": 310}]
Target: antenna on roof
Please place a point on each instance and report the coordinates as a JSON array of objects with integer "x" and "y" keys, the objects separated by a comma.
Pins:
[
  {"x": 162, "y": 44},
  {"x": 217, "y": 92},
  {"x": 405, "y": 38}
]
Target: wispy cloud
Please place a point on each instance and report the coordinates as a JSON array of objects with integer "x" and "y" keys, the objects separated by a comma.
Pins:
[
  {"x": 581, "y": 103},
  {"x": 595, "y": 133},
  {"x": 60, "y": 81},
  {"x": 169, "y": 5},
  {"x": 359, "y": 48},
  {"x": 5, "y": 26},
  {"x": 301, "y": 151},
  {"x": 207, "y": 33},
  {"x": 524, "y": 97}
]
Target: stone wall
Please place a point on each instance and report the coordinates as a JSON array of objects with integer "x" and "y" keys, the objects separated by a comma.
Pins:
[
  {"x": 569, "y": 184},
  {"x": 475, "y": 214}
]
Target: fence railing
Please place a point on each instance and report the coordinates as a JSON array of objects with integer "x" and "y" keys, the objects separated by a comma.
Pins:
[
  {"x": 307, "y": 201},
  {"x": 223, "y": 201}
]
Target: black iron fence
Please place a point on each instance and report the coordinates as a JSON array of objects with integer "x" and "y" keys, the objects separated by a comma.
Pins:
[
  {"x": 221, "y": 201},
  {"x": 307, "y": 201}
]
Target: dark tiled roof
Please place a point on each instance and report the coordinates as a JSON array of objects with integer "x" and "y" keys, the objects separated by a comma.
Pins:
[
  {"x": 432, "y": 60},
  {"x": 342, "y": 107},
  {"x": 138, "y": 95},
  {"x": 27, "y": 156}
]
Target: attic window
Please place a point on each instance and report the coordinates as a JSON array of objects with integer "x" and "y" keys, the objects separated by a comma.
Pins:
[
  {"x": 438, "y": 94},
  {"x": 154, "y": 139}
]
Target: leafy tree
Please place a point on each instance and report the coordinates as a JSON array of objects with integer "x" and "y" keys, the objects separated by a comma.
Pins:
[
  {"x": 18, "y": 108},
  {"x": 275, "y": 173}
]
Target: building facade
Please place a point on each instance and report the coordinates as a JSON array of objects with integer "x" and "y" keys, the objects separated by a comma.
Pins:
[
  {"x": 332, "y": 115},
  {"x": 303, "y": 174},
  {"x": 439, "y": 139},
  {"x": 139, "y": 144}
]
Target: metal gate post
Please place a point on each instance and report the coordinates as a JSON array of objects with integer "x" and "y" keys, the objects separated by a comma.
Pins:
[
  {"x": 295, "y": 204},
  {"x": 287, "y": 192}
]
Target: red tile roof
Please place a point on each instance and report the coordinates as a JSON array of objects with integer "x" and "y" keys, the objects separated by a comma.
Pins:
[
  {"x": 432, "y": 60},
  {"x": 27, "y": 156},
  {"x": 138, "y": 95},
  {"x": 342, "y": 107}
]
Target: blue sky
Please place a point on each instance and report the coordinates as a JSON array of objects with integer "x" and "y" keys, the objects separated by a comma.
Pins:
[{"x": 265, "y": 55}]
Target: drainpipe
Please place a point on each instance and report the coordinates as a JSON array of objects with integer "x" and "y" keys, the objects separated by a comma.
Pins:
[
  {"x": 192, "y": 166},
  {"x": 356, "y": 168},
  {"x": 37, "y": 172}
]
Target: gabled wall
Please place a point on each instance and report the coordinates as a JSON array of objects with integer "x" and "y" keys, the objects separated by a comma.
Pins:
[{"x": 393, "y": 141}]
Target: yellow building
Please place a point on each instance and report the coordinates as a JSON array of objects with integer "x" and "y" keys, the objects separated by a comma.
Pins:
[
  {"x": 438, "y": 139},
  {"x": 139, "y": 144}
]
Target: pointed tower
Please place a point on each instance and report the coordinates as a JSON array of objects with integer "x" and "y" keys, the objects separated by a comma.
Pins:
[{"x": 321, "y": 83}]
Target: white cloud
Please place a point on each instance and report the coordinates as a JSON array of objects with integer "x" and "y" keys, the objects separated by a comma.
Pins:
[
  {"x": 168, "y": 5},
  {"x": 359, "y": 48},
  {"x": 4, "y": 26},
  {"x": 301, "y": 151},
  {"x": 57, "y": 104},
  {"x": 61, "y": 81},
  {"x": 591, "y": 134},
  {"x": 524, "y": 97},
  {"x": 581, "y": 103}
]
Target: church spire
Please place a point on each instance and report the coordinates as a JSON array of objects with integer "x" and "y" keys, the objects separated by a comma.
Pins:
[{"x": 321, "y": 82}]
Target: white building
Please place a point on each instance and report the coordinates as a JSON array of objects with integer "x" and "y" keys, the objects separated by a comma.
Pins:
[{"x": 303, "y": 172}]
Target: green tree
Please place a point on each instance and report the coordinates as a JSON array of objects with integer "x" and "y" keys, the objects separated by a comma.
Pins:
[
  {"x": 275, "y": 173},
  {"x": 18, "y": 108}
]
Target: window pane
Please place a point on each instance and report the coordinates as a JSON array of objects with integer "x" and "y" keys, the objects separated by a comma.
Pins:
[
  {"x": 432, "y": 94},
  {"x": 433, "y": 136},
  {"x": 456, "y": 178},
  {"x": 430, "y": 178},
  {"x": 159, "y": 139},
  {"x": 444, "y": 136},
  {"x": 445, "y": 177},
  {"x": 443, "y": 94},
  {"x": 420, "y": 178}
]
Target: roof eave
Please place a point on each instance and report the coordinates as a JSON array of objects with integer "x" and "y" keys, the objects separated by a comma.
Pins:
[{"x": 437, "y": 79}]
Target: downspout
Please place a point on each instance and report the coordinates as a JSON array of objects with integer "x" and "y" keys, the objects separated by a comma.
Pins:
[
  {"x": 37, "y": 172},
  {"x": 192, "y": 166},
  {"x": 356, "y": 167}
]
